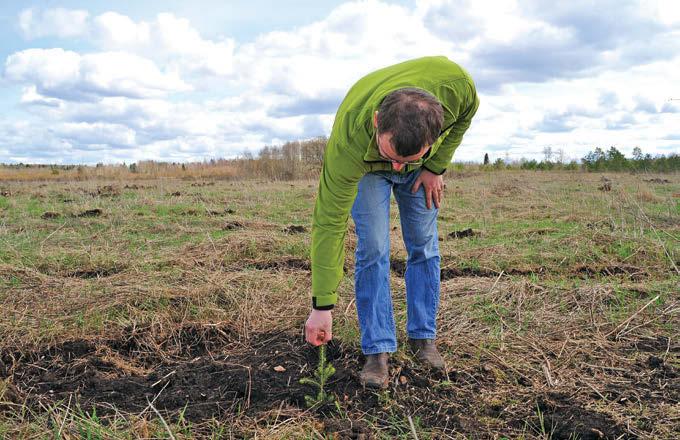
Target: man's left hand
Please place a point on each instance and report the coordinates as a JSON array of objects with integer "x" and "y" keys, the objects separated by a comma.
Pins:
[{"x": 434, "y": 186}]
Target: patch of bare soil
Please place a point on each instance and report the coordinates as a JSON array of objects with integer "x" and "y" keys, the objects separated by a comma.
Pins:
[
  {"x": 294, "y": 229},
  {"x": 202, "y": 184},
  {"x": 232, "y": 225},
  {"x": 286, "y": 263},
  {"x": 563, "y": 418},
  {"x": 463, "y": 233},
  {"x": 212, "y": 371},
  {"x": 94, "y": 272},
  {"x": 657, "y": 180},
  {"x": 47, "y": 215},
  {"x": 96, "y": 212},
  {"x": 106, "y": 191},
  {"x": 219, "y": 213},
  {"x": 398, "y": 267},
  {"x": 633, "y": 272}
]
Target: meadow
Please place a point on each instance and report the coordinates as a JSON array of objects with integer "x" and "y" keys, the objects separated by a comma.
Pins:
[{"x": 174, "y": 307}]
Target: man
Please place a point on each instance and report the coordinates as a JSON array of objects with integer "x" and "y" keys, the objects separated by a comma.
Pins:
[{"x": 395, "y": 131}]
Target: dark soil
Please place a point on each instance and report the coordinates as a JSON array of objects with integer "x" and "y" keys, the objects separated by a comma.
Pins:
[
  {"x": 633, "y": 272},
  {"x": 219, "y": 213},
  {"x": 94, "y": 272},
  {"x": 50, "y": 215},
  {"x": 232, "y": 225},
  {"x": 287, "y": 263},
  {"x": 212, "y": 371},
  {"x": 398, "y": 267},
  {"x": 464, "y": 233},
  {"x": 106, "y": 191},
  {"x": 562, "y": 418},
  {"x": 294, "y": 229},
  {"x": 657, "y": 180},
  {"x": 96, "y": 212}
]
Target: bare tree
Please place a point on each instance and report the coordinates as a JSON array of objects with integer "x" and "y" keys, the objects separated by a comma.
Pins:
[{"x": 547, "y": 153}]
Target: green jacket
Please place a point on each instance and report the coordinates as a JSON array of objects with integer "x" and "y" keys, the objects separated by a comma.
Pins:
[{"x": 352, "y": 152}]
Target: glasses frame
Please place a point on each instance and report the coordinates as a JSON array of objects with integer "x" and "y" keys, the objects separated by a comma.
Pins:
[{"x": 419, "y": 161}]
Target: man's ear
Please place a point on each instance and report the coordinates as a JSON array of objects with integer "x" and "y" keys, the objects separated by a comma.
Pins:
[{"x": 375, "y": 119}]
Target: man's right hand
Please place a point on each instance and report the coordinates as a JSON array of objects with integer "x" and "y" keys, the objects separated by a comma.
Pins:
[{"x": 319, "y": 326}]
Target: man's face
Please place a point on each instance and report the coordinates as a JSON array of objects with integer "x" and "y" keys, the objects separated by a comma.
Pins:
[
  {"x": 387, "y": 152},
  {"x": 384, "y": 141}
]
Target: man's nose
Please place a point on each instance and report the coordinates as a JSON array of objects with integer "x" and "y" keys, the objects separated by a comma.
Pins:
[{"x": 397, "y": 166}]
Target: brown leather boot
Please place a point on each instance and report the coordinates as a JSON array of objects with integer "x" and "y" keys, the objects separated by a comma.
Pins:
[
  {"x": 426, "y": 352},
  {"x": 375, "y": 372}
]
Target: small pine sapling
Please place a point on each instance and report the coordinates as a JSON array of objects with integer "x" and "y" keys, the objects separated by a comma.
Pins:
[{"x": 323, "y": 372}]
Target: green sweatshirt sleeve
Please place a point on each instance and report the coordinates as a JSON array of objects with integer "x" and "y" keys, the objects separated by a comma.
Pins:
[
  {"x": 340, "y": 175},
  {"x": 462, "y": 92}
]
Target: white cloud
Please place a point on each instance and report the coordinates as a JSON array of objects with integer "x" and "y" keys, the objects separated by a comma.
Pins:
[
  {"x": 565, "y": 76},
  {"x": 59, "y": 22},
  {"x": 68, "y": 75},
  {"x": 97, "y": 135}
]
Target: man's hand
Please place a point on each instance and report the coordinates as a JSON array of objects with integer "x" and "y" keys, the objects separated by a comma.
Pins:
[
  {"x": 434, "y": 186},
  {"x": 319, "y": 326}
]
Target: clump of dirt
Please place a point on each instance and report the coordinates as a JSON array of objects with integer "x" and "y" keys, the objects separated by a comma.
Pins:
[
  {"x": 657, "y": 180},
  {"x": 96, "y": 212},
  {"x": 564, "y": 418},
  {"x": 602, "y": 223},
  {"x": 233, "y": 225},
  {"x": 201, "y": 184},
  {"x": 294, "y": 229},
  {"x": 219, "y": 213},
  {"x": 463, "y": 233},
  {"x": 47, "y": 215},
  {"x": 176, "y": 194},
  {"x": 5, "y": 193},
  {"x": 287, "y": 263},
  {"x": 398, "y": 267},
  {"x": 106, "y": 191},
  {"x": 632, "y": 272},
  {"x": 136, "y": 186},
  {"x": 95, "y": 272}
]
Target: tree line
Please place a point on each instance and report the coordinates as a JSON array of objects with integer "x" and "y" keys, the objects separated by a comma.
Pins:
[{"x": 303, "y": 160}]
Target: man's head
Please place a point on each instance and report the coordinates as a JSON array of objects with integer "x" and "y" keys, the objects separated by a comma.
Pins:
[{"x": 408, "y": 121}]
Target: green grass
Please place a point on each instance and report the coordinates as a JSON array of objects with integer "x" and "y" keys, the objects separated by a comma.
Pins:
[{"x": 177, "y": 265}]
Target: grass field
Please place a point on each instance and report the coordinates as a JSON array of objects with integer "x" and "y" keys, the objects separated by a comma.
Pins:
[{"x": 174, "y": 309}]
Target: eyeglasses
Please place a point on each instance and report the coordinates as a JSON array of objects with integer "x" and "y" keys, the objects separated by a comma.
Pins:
[
  {"x": 389, "y": 159},
  {"x": 418, "y": 162}
]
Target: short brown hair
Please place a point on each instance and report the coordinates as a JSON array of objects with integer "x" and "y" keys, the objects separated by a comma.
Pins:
[{"x": 413, "y": 116}]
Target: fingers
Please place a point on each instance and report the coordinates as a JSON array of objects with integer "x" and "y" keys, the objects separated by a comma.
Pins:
[
  {"x": 437, "y": 198},
  {"x": 416, "y": 185},
  {"x": 428, "y": 197}
]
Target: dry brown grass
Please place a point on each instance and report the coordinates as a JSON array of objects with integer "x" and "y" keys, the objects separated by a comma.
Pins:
[{"x": 549, "y": 333}]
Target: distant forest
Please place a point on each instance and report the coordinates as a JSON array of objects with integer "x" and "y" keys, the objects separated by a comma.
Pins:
[{"x": 303, "y": 159}]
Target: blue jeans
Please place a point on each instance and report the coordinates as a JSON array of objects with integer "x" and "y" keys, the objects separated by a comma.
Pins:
[{"x": 371, "y": 214}]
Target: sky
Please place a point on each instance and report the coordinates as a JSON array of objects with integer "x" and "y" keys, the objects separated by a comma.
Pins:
[{"x": 98, "y": 81}]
